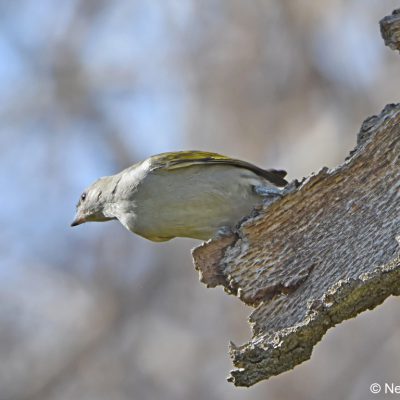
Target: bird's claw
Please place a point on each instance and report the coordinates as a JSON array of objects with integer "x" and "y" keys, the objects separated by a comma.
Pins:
[
  {"x": 222, "y": 232},
  {"x": 267, "y": 191}
]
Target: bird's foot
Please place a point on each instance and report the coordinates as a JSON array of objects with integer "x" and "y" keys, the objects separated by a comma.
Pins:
[
  {"x": 267, "y": 191},
  {"x": 222, "y": 232}
]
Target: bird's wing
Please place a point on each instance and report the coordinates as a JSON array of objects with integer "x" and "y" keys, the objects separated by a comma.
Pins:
[{"x": 182, "y": 159}]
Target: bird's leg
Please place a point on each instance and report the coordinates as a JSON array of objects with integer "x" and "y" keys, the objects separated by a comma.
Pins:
[
  {"x": 223, "y": 231},
  {"x": 267, "y": 191}
]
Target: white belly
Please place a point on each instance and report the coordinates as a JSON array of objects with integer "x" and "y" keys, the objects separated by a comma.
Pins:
[{"x": 193, "y": 201}]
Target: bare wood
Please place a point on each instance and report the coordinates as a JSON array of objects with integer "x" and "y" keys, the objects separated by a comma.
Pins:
[{"x": 324, "y": 252}]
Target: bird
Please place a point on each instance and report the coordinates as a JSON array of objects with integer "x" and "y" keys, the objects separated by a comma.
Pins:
[{"x": 193, "y": 194}]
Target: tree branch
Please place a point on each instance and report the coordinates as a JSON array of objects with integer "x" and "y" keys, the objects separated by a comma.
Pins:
[
  {"x": 390, "y": 30},
  {"x": 324, "y": 252}
]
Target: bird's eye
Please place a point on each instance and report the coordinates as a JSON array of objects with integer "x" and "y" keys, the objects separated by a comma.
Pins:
[{"x": 83, "y": 196}]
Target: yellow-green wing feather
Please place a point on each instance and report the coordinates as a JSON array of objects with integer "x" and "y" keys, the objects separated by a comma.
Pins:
[{"x": 182, "y": 159}]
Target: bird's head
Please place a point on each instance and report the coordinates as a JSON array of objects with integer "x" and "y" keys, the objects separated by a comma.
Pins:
[{"x": 92, "y": 203}]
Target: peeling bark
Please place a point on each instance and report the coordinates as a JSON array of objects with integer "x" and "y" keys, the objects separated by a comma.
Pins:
[{"x": 324, "y": 252}]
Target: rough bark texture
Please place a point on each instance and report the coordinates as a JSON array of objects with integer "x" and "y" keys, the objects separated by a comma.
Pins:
[
  {"x": 390, "y": 29},
  {"x": 324, "y": 252}
]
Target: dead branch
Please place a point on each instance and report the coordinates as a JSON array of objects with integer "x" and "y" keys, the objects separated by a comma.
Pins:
[
  {"x": 390, "y": 30},
  {"x": 324, "y": 252}
]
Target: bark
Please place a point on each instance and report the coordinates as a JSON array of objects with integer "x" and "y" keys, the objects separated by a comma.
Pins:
[
  {"x": 324, "y": 252},
  {"x": 390, "y": 30}
]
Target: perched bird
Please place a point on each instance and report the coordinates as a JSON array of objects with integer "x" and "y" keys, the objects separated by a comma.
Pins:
[{"x": 191, "y": 194}]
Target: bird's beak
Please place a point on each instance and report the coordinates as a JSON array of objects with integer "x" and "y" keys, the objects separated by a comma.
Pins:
[{"x": 79, "y": 219}]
